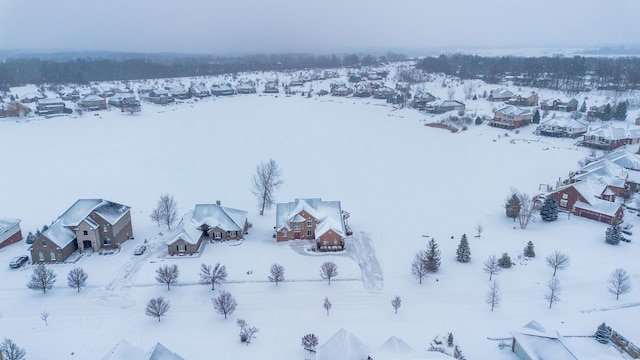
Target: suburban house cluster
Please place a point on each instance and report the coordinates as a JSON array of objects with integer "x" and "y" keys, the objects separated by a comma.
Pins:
[
  {"x": 597, "y": 190},
  {"x": 89, "y": 224}
]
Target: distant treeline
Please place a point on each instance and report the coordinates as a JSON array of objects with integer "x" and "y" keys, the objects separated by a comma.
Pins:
[
  {"x": 575, "y": 74},
  {"x": 20, "y": 71}
]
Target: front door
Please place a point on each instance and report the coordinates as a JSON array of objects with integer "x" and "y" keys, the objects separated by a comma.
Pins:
[
  {"x": 86, "y": 245},
  {"x": 296, "y": 235}
]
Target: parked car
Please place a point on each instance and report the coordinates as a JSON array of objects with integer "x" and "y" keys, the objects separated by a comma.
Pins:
[
  {"x": 18, "y": 261},
  {"x": 348, "y": 229},
  {"x": 139, "y": 250}
]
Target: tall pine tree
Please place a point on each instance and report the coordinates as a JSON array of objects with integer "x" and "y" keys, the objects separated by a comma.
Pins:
[
  {"x": 536, "y": 117},
  {"x": 583, "y": 108},
  {"x": 549, "y": 210},
  {"x": 529, "y": 251},
  {"x": 513, "y": 206},
  {"x": 432, "y": 258},
  {"x": 621, "y": 111},
  {"x": 613, "y": 235},
  {"x": 463, "y": 254}
]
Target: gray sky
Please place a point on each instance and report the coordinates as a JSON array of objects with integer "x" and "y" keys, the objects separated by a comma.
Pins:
[{"x": 316, "y": 26}]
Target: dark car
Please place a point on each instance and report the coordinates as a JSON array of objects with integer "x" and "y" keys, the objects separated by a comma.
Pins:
[{"x": 18, "y": 261}]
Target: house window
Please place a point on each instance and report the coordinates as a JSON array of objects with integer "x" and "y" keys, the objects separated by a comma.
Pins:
[
  {"x": 217, "y": 235},
  {"x": 563, "y": 203},
  {"x": 182, "y": 248},
  {"x": 53, "y": 256},
  {"x": 284, "y": 233},
  {"x": 44, "y": 243},
  {"x": 106, "y": 241},
  {"x": 85, "y": 232},
  {"x": 565, "y": 196},
  {"x": 309, "y": 233},
  {"x": 41, "y": 256},
  {"x": 296, "y": 226},
  {"x": 309, "y": 223},
  {"x": 104, "y": 228}
]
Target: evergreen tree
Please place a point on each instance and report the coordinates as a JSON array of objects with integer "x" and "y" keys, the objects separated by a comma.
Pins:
[
  {"x": 478, "y": 120},
  {"x": 607, "y": 114},
  {"x": 612, "y": 235},
  {"x": 432, "y": 258},
  {"x": 603, "y": 334},
  {"x": 549, "y": 210},
  {"x": 513, "y": 206},
  {"x": 450, "y": 340},
  {"x": 583, "y": 108},
  {"x": 621, "y": 111},
  {"x": 529, "y": 250},
  {"x": 536, "y": 117},
  {"x": 505, "y": 261},
  {"x": 463, "y": 254}
]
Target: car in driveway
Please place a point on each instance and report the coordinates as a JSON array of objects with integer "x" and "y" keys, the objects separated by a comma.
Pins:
[
  {"x": 139, "y": 250},
  {"x": 18, "y": 261}
]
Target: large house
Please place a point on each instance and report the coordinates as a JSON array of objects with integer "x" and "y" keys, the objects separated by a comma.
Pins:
[
  {"x": 207, "y": 221},
  {"x": 511, "y": 117},
  {"x": 222, "y": 90},
  {"x": 10, "y": 232},
  {"x": 93, "y": 102},
  {"x": 442, "y": 106},
  {"x": 559, "y": 105},
  {"x": 500, "y": 95},
  {"x": 312, "y": 219},
  {"x": 590, "y": 199},
  {"x": 562, "y": 126},
  {"x": 524, "y": 100},
  {"x": 421, "y": 99},
  {"x": 89, "y": 224},
  {"x": 50, "y": 106},
  {"x": 607, "y": 137}
]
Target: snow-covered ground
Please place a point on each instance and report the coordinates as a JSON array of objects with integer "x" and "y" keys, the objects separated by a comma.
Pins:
[{"x": 402, "y": 182}]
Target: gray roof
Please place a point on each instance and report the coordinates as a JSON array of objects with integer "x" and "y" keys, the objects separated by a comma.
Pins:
[
  {"x": 219, "y": 216},
  {"x": 6, "y": 224},
  {"x": 324, "y": 211},
  {"x": 110, "y": 211}
]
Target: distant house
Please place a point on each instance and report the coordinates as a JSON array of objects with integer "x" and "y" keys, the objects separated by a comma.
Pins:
[
  {"x": 442, "y": 106},
  {"x": 14, "y": 109},
  {"x": 600, "y": 112},
  {"x": 534, "y": 342},
  {"x": 207, "y": 221},
  {"x": 559, "y": 105},
  {"x": 158, "y": 96},
  {"x": 10, "y": 232},
  {"x": 511, "y": 117},
  {"x": 499, "y": 95},
  {"x": 222, "y": 90},
  {"x": 403, "y": 86},
  {"x": 607, "y": 137},
  {"x": 122, "y": 99},
  {"x": 296, "y": 81},
  {"x": 384, "y": 92},
  {"x": 89, "y": 224},
  {"x": 199, "y": 90},
  {"x": 71, "y": 96},
  {"x": 362, "y": 89},
  {"x": 562, "y": 126},
  {"x": 92, "y": 102},
  {"x": 339, "y": 88},
  {"x": 50, "y": 106},
  {"x": 179, "y": 92},
  {"x": 421, "y": 99},
  {"x": 246, "y": 88},
  {"x": 311, "y": 219},
  {"x": 123, "y": 350},
  {"x": 524, "y": 100},
  {"x": 271, "y": 87},
  {"x": 31, "y": 98},
  {"x": 591, "y": 200}
]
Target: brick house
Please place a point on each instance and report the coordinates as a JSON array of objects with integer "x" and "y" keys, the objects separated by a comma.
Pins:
[
  {"x": 421, "y": 99},
  {"x": 311, "y": 219},
  {"x": 499, "y": 95},
  {"x": 10, "y": 232},
  {"x": 591, "y": 200},
  {"x": 524, "y": 100},
  {"x": 607, "y": 137},
  {"x": 442, "y": 106},
  {"x": 207, "y": 221},
  {"x": 511, "y": 117},
  {"x": 559, "y": 105},
  {"x": 89, "y": 224},
  {"x": 222, "y": 90},
  {"x": 93, "y": 102},
  {"x": 50, "y": 106},
  {"x": 562, "y": 126}
]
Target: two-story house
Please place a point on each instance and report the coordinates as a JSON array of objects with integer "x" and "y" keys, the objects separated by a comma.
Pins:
[
  {"x": 89, "y": 224},
  {"x": 311, "y": 219}
]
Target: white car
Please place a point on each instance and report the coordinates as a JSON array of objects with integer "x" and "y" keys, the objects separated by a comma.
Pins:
[{"x": 139, "y": 250}]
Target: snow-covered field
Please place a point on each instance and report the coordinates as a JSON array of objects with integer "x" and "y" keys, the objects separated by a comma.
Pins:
[{"x": 402, "y": 182}]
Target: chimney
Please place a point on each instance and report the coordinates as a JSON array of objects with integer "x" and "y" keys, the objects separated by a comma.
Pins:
[{"x": 218, "y": 202}]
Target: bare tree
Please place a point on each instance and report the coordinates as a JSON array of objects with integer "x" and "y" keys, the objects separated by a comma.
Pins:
[
  {"x": 45, "y": 316},
  {"x": 166, "y": 211},
  {"x": 328, "y": 270},
  {"x": 167, "y": 274},
  {"x": 247, "y": 333},
  {"x": 491, "y": 266},
  {"x": 212, "y": 275},
  {"x": 77, "y": 278},
  {"x": 11, "y": 351},
  {"x": 264, "y": 183},
  {"x": 327, "y": 305},
  {"x": 479, "y": 230},
  {"x": 42, "y": 279},
  {"x": 224, "y": 303},
  {"x": 157, "y": 307},
  {"x": 276, "y": 273},
  {"x": 468, "y": 89},
  {"x": 553, "y": 291},
  {"x": 309, "y": 342},
  {"x": 419, "y": 266},
  {"x": 527, "y": 207},
  {"x": 557, "y": 261},
  {"x": 493, "y": 295},
  {"x": 619, "y": 282},
  {"x": 396, "y": 302}
]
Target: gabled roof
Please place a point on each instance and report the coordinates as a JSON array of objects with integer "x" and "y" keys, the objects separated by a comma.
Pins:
[
  {"x": 187, "y": 230},
  {"x": 605, "y": 172},
  {"x": 329, "y": 224},
  {"x": 109, "y": 211},
  {"x": 514, "y": 110},
  {"x": 393, "y": 348},
  {"x": 6, "y": 224},
  {"x": 92, "y": 97},
  {"x": 59, "y": 234},
  {"x": 123, "y": 350},
  {"x": 501, "y": 93},
  {"x": 609, "y": 132},
  {"x": 343, "y": 346},
  {"x": 590, "y": 191},
  {"x": 225, "y": 218},
  {"x": 160, "y": 352},
  {"x": 316, "y": 207},
  {"x": 624, "y": 158},
  {"x": 564, "y": 122}
]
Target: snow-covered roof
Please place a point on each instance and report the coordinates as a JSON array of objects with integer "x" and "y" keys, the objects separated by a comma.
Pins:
[
  {"x": 393, "y": 348},
  {"x": 624, "y": 158},
  {"x": 123, "y": 350},
  {"x": 513, "y": 110},
  {"x": 501, "y": 93},
  {"x": 6, "y": 224},
  {"x": 343, "y": 346},
  {"x": 121, "y": 96},
  {"x": 160, "y": 352},
  {"x": 187, "y": 230},
  {"x": 50, "y": 101},
  {"x": 327, "y": 224},
  {"x": 59, "y": 234},
  {"x": 564, "y": 122},
  {"x": 225, "y": 218},
  {"x": 110, "y": 211},
  {"x": 316, "y": 207},
  {"x": 609, "y": 132},
  {"x": 605, "y": 172},
  {"x": 599, "y": 206},
  {"x": 92, "y": 97}
]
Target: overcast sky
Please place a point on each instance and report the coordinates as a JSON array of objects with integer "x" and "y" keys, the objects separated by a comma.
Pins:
[{"x": 316, "y": 26}]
